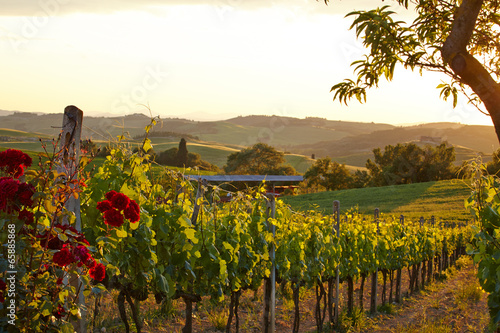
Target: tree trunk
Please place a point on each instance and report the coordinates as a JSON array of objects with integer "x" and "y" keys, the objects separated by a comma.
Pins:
[
  {"x": 231, "y": 312},
  {"x": 350, "y": 295},
  {"x": 331, "y": 285},
  {"x": 384, "y": 287},
  {"x": 398, "y": 286},
  {"x": 430, "y": 266},
  {"x": 424, "y": 268},
  {"x": 236, "y": 307},
  {"x": 362, "y": 291},
  {"x": 320, "y": 315},
  {"x": 267, "y": 305},
  {"x": 188, "y": 325},
  {"x": 391, "y": 279},
  {"x": 121, "y": 309},
  {"x": 296, "y": 316},
  {"x": 469, "y": 69}
]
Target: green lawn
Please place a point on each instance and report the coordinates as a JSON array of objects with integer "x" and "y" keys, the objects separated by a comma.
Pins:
[{"x": 443, "y": 199}]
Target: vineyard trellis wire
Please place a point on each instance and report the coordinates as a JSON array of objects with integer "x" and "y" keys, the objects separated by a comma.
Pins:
[
  {"x": 188, "y": 245},
  {"x": 228, "y": 248}
]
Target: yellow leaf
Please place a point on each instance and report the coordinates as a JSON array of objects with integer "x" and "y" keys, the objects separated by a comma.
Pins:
[
  {"x": 49, "y": 207},
  {"x": 134, "y": 226},
  {"x": 184, "y": 221},
  {"x": 121, "y": 233},
  {"x": 223, "y": 269},
  {"x": 147, "y": 145},
  {"x": 227, "y": 246},
  {"x": 190, "y": 235}
]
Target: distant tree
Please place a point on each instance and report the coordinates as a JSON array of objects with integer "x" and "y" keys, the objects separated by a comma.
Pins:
[
  {"x": 168, "y": 157},
  {"x": 360, "y": 179},
  {"x": 329, "y": 175},
  {"x": 408, "y": 163},
  {"x": 195, "y": 161},
  {"x": 182, "y": 154},
  {"x": 260, "y": 159},
  {"x": 438, "y": 163}
]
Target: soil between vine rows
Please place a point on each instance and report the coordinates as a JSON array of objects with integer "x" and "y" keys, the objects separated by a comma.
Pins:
[{"x": 435, "y": 305}]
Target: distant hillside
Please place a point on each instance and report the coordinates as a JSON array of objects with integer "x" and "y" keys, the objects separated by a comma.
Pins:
[
  {"x": 350, "y": 143},
  {"x": 442, "y": 199},
  {"x": 468, "y": 139}
]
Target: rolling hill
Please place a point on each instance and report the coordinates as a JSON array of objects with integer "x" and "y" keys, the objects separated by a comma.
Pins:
[
  {"x": 442, "y": 199},
  {"x": 350, "y": 143}
]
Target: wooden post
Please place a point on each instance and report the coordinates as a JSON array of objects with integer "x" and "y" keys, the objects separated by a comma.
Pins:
[
  {"x": 69, "y": 161},
  {"x": 70, "y": 154},
  {"x": 269, "y": 319},
  {"x": 373, "y": 301},
  {"x": 336, "y": 214}
]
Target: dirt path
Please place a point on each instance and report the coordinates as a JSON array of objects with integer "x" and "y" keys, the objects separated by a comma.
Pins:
[{"x": 454, "y": 305}]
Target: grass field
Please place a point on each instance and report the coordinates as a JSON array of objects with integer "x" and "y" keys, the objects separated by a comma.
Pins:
[
  {"x": 16, "y": 133},
  {"x": 443, "y": 199}
]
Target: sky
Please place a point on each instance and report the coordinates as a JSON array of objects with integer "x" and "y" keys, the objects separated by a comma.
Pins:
[{"x": 202, "y": 60}]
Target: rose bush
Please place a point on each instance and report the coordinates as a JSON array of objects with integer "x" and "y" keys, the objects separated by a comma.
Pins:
[{"x": 44, "y": 262}]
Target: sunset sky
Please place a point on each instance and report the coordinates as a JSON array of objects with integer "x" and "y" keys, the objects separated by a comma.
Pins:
[{"x": 203, "y": 60}]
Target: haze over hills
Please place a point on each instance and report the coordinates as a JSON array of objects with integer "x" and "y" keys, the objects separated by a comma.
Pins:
[{"x": 346, "y": 142}]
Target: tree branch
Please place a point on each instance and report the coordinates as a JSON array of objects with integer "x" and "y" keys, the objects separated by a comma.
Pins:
[
  {"x": 463, "y": 28},
  {"x": 469, "y": 69}
]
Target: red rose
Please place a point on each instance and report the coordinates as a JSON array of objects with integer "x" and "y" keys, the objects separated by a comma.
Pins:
[
  {"x": 55, "y": 243},
  {"x": 120, "y": 201},
  {"x": 14, "y": 161},
  {"x": 132, "y": 212},
  {"x": 63, "y": 257},
  {"x": 3, "y": 285},
  {"x": 110, "y": 195},
  {"x": 25, "y": 193},
  {"x": 103, "y": 206},
  {"x": 59, "y": 280},
  {"x": 81, "y": 253},
  {"x": 113, "y": 217},
  {"x": 26, "y": 216},
  {"x": 9, "y": 187},
  {"x": 98, "y": 272},
  {"x": 14, "y": 194}
]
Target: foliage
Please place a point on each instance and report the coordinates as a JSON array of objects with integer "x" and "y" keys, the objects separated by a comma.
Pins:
[
  {"x": 329, "y": 175},
  {"x": 163, "y": 235},
  {"x": 457, "y": 38},
  {"x": 182, "y": 154},
  {"x": 408, "y": 163},
  {"x": 45, "y": 262},
  {"x": 260, "y": 159},
  {"x": 171, "y": 157},
  {"x": 493, "y": 167},
  {"x": 484, "y": 204}
]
